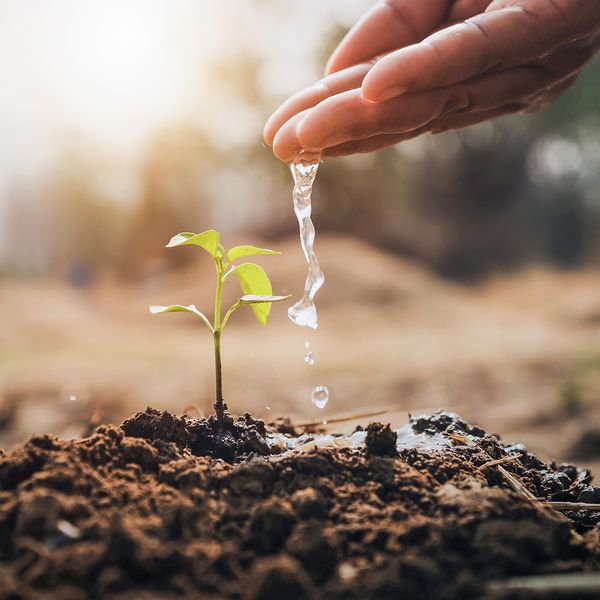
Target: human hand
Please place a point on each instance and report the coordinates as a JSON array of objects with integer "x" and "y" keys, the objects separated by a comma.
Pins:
[{"x": 408, "y": 68}]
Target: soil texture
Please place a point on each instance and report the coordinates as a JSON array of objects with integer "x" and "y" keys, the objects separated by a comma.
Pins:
[{"x": 170, "y": 507}]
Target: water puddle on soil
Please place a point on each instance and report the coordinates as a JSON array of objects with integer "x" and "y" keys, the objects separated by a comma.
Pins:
[{"x": 407, "y": 438}]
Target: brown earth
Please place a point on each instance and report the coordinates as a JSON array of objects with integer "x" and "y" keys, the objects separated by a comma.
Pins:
[{"x": 144, "y": 510}]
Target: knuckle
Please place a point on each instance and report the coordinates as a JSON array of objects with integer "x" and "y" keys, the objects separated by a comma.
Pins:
[
  {"x": 488, "y": 61},
  {"x": 458, "y": 100},
  {"x": 402, "y": 15},
  {"x": 437, "y": 75}
]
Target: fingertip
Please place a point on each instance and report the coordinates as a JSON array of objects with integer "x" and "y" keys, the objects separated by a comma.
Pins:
[
  {"x": 391, "y": 76},
  {"x": 329, "y": 66},
  {"x": 301, "y": 101},
  {"x": 311, "y": 136},
  {"x": 332, "y": 121},
  {"x": 335, "y": 62},
  {"x": 375, "y": 94},
  {"x": 283, "y": 149},
  {"x": 272, "y": 126},
  {"x": 275, "y": 122},
  {"x": 372, "y": 88},
  {"x": 304, "y": 133},
  {"x": 333, "y": 65},
  {"x": 267, "y": 133},
  {"x": 286, "y": 146}
]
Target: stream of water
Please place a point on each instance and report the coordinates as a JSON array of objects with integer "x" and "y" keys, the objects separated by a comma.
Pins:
[{"x": 304, "y": 312}]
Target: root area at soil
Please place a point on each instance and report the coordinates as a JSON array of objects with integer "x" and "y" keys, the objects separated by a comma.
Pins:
[{"x": 169, "y": 507}]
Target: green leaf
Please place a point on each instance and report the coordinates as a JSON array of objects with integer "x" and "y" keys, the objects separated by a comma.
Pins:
[
  {"x": 159, "y": 310},
  {"x": 250, "y": 299},
  {"x": 255, "y": 282},
  {"x": 241, "y": 251},
  {"x": 209, "y": 240}
]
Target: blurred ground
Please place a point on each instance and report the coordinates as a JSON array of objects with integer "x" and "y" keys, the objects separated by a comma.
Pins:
[{"x": 519, "y": 355}]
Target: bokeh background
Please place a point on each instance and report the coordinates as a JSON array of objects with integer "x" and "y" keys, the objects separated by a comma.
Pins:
[{"x": 462, "y": 269}]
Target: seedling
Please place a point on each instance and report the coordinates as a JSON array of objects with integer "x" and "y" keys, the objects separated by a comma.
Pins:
[{"x": 255, "y": 283}]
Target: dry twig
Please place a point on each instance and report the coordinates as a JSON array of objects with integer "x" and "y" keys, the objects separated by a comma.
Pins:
[
  {"x": 572, "y": 505},
  {"x": 342, "y": 419},
  {"x": 499, "y": 461},
  {"x": 563, "y": 584}
]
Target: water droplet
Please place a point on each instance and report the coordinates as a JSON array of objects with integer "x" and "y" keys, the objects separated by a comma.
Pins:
[
  {"x": 304, "y": 313},
  {"x": 268, "y": 408},
  {"x": 73, "y": 398},
  {"x": 320, "y": 396},
  {"x": 307, "y": 344},
  {"x": 309, "y": 358},
  {"x": 324, "y": 421}
]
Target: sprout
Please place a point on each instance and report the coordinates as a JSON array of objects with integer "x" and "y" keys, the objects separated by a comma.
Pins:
[{"x": 255, "y": 284}]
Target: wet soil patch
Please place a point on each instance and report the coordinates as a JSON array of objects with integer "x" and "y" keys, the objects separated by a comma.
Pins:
[{"x": 170, "y": 507}]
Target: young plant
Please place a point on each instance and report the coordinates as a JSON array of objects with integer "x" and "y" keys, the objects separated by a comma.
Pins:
[{"x": 255, "y": 284}]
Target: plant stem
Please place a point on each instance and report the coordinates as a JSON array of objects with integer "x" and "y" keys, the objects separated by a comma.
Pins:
[{"x": 219, "y": 404}]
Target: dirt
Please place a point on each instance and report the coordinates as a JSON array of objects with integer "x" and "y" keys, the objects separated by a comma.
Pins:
[
  {"x": 238, "y": 440},
  {"x": 148, "y": 510}
]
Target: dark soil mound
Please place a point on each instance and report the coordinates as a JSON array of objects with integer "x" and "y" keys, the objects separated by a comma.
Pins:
[
  {"x": 237, "y": 441},
  {"x": 144, "y": 510}
]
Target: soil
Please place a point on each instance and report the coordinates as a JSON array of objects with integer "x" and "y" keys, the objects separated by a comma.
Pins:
[{"x": 169, "y": 507}]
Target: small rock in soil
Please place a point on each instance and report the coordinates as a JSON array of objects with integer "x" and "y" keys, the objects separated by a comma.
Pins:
[
  {"x": 381, "y": 440},
  {"x": 282, "y": 579},
  {"x": 310, "y": 503},
  {"x": 590, "y": 494}
]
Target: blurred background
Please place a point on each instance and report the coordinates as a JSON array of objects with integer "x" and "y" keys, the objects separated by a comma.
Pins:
[{"x": 462, "y": 269}]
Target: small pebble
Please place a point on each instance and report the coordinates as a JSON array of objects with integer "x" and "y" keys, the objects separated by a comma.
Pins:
[
  {"x": 589, "y": 494},
  {"x": 68, "y": 529},
  {"x": 557, "y": 482}
]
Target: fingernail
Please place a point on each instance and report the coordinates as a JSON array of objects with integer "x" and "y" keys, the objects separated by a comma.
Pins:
[{"x": 391, "y": 92}]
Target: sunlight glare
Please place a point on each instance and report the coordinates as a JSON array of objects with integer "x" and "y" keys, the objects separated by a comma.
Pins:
[{"x": 111, "y": 71}]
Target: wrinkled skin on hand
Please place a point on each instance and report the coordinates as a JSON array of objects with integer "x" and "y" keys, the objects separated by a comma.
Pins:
[{"x": 411, "y": 67}]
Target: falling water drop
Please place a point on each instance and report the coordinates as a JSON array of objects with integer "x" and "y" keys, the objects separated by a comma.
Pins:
[
  {"x": 320, "y": 396},
  {"x": 309, "y": 357}
]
